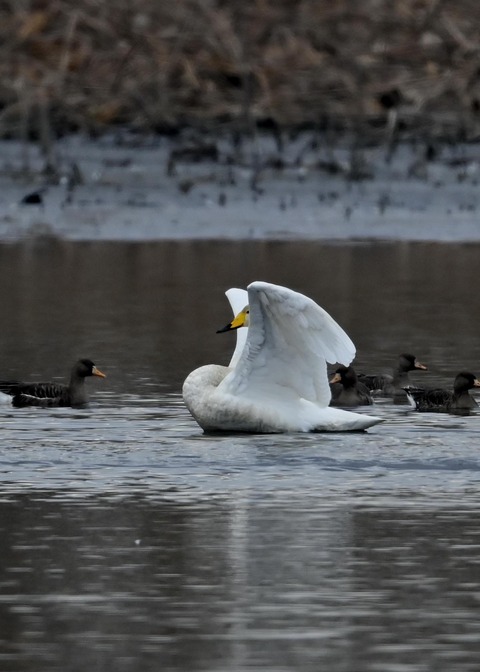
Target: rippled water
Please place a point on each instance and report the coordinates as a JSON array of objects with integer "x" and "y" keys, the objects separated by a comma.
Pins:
[{"x": 130, "y": 540}]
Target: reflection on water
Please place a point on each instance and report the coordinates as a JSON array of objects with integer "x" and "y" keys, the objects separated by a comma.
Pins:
[
  {"x": 131, "y": 541},
  {"x": 228, "y": 584}
]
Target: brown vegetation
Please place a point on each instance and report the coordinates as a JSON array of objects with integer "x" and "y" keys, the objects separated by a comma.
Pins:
[{"x": 158, "y": 65}]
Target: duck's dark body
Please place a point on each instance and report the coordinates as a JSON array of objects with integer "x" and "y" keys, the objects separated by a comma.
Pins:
[
  {"x": 347, "y": 390},
  {"x": 445, "y": 401},
  {"x": 53, "y": 394}
]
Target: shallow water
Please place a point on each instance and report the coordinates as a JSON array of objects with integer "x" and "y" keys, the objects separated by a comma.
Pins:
[
  {"x": 130, "y": 540},
  {"x": 127, "y": 187}
]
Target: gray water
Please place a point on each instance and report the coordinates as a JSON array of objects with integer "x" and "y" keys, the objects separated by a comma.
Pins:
[{"x": 131, "y": 541}]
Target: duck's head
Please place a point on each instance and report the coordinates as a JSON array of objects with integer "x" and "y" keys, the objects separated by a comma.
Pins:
[
  {"x": 344, "y": 375},
  {"x": 338, "y": 376},
  {"x": 242, "y": 319},
  {"x": 407, "y": 362},
  {"x": 465, "y": 381},
  {"x": 85, "y": 367}
]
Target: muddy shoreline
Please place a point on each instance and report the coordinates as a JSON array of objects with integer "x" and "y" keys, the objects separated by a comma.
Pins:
[{"x": 122, "y": 187}]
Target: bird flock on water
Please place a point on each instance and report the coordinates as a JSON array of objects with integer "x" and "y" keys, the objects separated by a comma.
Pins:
[{"x": 277, "y": 379}]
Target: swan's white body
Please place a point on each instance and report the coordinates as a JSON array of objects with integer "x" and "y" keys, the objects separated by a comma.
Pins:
[{"x": 277, "y": 379}]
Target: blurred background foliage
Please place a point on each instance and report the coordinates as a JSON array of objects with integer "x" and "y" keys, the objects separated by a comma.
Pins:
[{"x": 160, "y": 65}]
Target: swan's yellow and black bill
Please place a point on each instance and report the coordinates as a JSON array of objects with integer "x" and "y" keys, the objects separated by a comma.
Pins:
[
  {"x": 239, "y": 320},
  {"x": 97, "y": 372},
  {"x": 337, "y": 378},
  {"x": 476, "y": 383}
]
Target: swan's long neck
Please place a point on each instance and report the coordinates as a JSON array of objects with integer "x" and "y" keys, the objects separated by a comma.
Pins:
[
  {"x": 198, "y": 389},
  {"x": 242, "y": 334},
  {"x": 238, "y": 299}
]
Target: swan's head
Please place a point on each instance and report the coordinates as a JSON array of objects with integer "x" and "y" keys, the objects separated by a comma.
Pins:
[{"x": 240, "y": 320}]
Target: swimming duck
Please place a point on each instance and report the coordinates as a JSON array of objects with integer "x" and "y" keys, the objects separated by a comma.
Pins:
[
  {"x": 445, "y": 400},
  {"x": 53, "y": 394},
  {"x": 393, "y": 385},
  {"x": 278, "y": 381},
  {"x": 347, "y": 390}
]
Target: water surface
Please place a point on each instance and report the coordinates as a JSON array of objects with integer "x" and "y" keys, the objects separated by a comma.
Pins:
[{"x": 130, "y": 540}]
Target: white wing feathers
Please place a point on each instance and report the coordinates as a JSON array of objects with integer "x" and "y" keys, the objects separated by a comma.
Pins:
[{"x": 290, "y": 339}]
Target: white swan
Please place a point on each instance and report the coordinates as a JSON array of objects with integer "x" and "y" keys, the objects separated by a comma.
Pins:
[{"x": 277, "y": 380}]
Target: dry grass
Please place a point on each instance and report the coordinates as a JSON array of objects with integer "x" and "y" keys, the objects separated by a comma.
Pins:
[{"x": 162, "y": 64}]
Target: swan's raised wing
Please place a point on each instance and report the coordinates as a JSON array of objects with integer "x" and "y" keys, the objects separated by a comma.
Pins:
[
  {"x": 238, "y": 299},
  {"x": 290, "y": 339}
]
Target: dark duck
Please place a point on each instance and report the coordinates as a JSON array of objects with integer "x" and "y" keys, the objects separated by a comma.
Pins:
[
  {"x": 446, "y": 401},
  {"x": 347, "y": 390},
  {"x": 53, "y": 394},
  {"x": 392, "y": 385}
]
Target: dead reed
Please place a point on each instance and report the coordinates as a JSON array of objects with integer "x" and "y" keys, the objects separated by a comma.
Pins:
[{"x": 380, "y": 66}]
